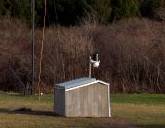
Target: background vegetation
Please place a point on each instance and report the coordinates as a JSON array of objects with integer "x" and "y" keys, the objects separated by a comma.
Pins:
[
  {"x": 71, "y": 12},
  {"x": 131, "y": 51},
  {"x": 128, "y": 34}
]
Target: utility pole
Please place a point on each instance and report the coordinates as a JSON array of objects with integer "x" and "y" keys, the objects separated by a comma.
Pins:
[{"x": 33, "y": 43}]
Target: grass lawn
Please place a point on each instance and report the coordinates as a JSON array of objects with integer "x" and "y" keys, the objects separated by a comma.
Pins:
[
  {"x": 144, "y": 110},
  {"x": 128, "y": 111}
]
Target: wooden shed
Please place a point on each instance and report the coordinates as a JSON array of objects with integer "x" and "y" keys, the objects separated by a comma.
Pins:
[{"x": 84, "y": 97}]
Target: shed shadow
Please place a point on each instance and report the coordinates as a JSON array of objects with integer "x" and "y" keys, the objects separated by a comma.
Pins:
[{"x": 29, "y": 111}]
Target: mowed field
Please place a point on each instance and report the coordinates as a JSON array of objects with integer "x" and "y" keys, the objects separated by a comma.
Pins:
[{"x": 128, "y": 111}]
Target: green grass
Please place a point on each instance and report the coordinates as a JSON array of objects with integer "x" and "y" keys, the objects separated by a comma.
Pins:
[
  {"x": 144, "y": 110},
  {"x": 141, "y": 110},
  {"x": 148, "y": 99}
]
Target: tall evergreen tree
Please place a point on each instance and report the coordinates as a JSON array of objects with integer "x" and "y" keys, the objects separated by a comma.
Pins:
[
  {"x": 148, "y": 7},
  {"x": 124, "y": 8},
  {"x": 101, "y": 9}
]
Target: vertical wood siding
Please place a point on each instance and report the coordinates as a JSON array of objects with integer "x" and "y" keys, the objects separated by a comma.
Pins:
[{"x": 89, "y": 101}]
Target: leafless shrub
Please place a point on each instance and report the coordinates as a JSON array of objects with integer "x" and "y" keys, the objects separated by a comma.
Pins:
[
  {"x": 66, "y": 54},
  {"x": 14, "y": 52},
  {"x": 160, "y": 14},
  {"x": 132, "y": 54}
]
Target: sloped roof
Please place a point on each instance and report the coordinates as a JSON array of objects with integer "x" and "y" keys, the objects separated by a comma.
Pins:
[{"x": 80, "y": 82}]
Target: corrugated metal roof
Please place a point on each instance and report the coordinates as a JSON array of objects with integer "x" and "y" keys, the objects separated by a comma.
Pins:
[{"x": 76, "y": 82}]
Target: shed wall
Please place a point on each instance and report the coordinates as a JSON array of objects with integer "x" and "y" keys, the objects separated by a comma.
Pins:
[
  {"x": 88, "y": 101},
  {"x": 59, "y": 101}
]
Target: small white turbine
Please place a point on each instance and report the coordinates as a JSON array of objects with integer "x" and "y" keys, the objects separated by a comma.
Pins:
[{"x": 94, "y": 63}]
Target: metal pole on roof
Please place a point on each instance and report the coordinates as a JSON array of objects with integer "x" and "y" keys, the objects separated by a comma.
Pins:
[{"x": 90, "y": 67}]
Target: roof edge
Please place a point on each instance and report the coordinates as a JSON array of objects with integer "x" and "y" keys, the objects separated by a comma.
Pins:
[
  {"x": 83, "y": 85},
  {"x": 99, "y": 81}
]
